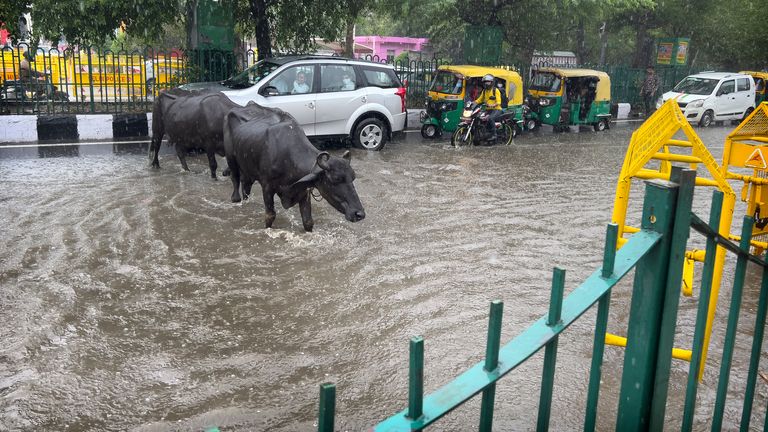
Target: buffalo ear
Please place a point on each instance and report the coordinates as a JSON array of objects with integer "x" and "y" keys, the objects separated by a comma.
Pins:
[
  {"x": 322, "y": 160},
  {"x": 347, "y": 156}
]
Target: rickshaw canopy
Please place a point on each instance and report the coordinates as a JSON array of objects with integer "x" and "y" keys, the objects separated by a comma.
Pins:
[
  {"x": 603, "y": 91},
  {"x": 510, "y": 78}
]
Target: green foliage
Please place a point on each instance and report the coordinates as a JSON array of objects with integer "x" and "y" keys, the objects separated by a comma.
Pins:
[
  {"x": 403, "y": 57},
  {"x": 94, "y": 21}
]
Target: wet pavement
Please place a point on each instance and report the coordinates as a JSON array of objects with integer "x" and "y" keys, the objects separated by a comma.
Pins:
[{"x": 140, "y": 299}]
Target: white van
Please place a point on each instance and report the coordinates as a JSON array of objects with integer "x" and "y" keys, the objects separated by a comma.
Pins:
[{"x": 714, "y": 96}]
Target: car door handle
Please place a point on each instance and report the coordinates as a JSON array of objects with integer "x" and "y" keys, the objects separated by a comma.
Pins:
[{"x": 311, "y": 105}]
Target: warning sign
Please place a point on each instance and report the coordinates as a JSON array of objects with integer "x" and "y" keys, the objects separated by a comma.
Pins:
[{"x": 756, "y": 160}]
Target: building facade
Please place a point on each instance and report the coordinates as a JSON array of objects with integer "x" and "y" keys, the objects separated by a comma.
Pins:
[{"x": 389, "y": 47}]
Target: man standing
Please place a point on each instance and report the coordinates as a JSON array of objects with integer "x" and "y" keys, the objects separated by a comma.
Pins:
[{"x": 648, "y": 90}]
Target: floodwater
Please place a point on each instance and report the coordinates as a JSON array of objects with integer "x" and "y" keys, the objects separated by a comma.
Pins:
[{"x": 143, "y": 300}]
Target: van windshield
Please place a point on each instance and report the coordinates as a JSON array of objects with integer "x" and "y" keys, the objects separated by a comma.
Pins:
[
  {"x": 545, "y": 81},
  {"x": 696, "y": 85},
  {"x": 251, "y": 76},
  {"x": 447, "y": 82}
]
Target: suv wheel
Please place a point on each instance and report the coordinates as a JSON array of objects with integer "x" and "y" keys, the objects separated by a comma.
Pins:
[
  {"x": 370, "y": 134},
  {"x": 706, "y": 119}
]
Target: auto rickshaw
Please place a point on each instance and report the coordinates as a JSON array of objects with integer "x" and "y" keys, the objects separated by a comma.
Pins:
[
  {"x": 761, "y": 79},
  {"x": 454, "y": 85},
  {"x": 565, "y": 97}
]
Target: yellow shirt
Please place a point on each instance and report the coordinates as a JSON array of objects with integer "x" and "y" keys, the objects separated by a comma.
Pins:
[{"x": 485, "y": 97}]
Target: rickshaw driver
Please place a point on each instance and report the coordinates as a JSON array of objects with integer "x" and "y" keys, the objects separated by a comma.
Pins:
[{"x": 491, "y": 97}]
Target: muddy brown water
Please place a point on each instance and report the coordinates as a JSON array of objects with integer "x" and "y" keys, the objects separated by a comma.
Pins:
[{"x": 143, "y": 300}]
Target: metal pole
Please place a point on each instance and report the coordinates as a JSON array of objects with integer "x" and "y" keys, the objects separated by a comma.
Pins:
[
  {"x": 550, "y": 352},
  {"x": 491, "y": 363},
  {"x": 733, "y": 321},
  {"x": 757, "y": 348},
  {"x": 416, "y": 379},
  {"x": 325, "y": 418},
  {"x": 647, "y": 304},
  {"x": 701, "y": 316}
]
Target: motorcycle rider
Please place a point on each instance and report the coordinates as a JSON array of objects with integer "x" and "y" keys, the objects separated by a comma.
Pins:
[{"x": 491, "y": 97}]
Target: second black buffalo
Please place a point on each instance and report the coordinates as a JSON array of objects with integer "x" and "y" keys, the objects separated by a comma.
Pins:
[{"x": 268, "y": 145}]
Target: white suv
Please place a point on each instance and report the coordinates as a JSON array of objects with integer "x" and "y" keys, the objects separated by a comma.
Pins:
[
  {"x": 329, "y": 96},
  {"x": 714, "y": 96}
]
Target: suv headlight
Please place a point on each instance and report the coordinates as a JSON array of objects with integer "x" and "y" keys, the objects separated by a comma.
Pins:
[{"x": 696, "y": 104}]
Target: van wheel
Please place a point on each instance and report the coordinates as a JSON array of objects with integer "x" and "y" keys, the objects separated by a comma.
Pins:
[
  {"x": 706, "y": 119},
  {"x": 370, "y": 134},
  {"x": 747, "y": 113}
]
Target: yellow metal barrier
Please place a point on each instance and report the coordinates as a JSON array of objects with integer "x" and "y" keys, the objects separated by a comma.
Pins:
[{"x": 650, "y": 156}]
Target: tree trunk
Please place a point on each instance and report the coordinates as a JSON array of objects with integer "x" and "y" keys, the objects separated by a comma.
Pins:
[
  {"x": 643, "y": 42},
  {"x": 581, "y": 49},
  {"x": 603, "y": 42},
  {"x": 349, "y": 39},
  {"x": 263, "y": 37}
]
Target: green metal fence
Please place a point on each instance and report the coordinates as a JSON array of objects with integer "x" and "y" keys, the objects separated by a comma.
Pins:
[
  {"x": 92, "y": 80},
  {"x": 656, "y": 253}
]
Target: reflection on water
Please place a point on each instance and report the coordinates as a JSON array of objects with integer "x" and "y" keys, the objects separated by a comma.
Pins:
[
  {"x": 140, "y": 299},
  {"x": 58, "y": 151}
]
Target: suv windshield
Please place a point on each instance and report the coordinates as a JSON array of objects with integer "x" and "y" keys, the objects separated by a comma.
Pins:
[
  {"x": 447, "y": 82},
  {"x": 545, "y": 81},
  {"x": 695, "y": 85},
  {"x": 251, "y": 76}
]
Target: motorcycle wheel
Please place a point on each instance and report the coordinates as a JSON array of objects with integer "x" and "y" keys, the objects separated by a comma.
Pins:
[
  {"x": 505, "y": 134},
  {"x": 462, "y": 137}
]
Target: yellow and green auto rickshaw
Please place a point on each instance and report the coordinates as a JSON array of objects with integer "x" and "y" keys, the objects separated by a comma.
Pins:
[
  {"x": 454, "y": 85},
  {"x": 565, "y": 97},
  {"x": 761, "y": 80}
]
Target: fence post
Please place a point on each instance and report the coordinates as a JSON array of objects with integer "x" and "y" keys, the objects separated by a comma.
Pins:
[
  {"x": 550, "y": 352},
  {"x": 327, "y": 413},
  {"x": 491, "y": 363},
  {"x": 416, "y": 379},
  {"x": 648, "y": 294}
]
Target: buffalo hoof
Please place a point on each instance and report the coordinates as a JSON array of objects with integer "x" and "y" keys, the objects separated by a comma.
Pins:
[
  {"x": 235, "y": 198},
  {"x": 225, "y": 173}
]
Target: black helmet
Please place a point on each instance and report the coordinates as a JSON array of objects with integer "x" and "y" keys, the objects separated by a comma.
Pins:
[{"x": 488, "y": 81}]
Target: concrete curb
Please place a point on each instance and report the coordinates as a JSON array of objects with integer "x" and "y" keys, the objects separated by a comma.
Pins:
[{"x": 31, "y": 128}]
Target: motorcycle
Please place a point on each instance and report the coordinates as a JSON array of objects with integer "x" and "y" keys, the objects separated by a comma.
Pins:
[{"x": 473, "y": 129}]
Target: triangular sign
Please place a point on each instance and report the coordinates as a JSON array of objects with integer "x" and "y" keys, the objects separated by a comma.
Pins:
[{"x": 756, "y": 160}]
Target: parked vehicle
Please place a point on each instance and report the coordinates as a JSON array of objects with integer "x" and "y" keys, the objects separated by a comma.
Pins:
[
  {"x": 713, "y": 96},
  {"x": 456, "y": 85},
  {"x": 367, "y": 108},
  {"x": 473, "y": 127},
  {"x": 761, "y": 79},
  {"x": 565, "y": 97}
]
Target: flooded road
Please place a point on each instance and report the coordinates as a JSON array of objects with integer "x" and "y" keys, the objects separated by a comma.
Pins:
[{"x": 143, "y": 300}]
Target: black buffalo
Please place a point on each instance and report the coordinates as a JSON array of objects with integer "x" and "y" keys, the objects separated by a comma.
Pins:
[
  {"x": 192, "y": 120},
  {"x": 268, "y": 145}
]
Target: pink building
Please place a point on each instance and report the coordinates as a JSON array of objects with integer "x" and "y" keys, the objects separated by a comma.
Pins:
[{"x": 389, "y": 47}]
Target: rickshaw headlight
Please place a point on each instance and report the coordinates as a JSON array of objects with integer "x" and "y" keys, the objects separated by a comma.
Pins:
[
  {"x": 444, "y": 107},
  {"x": 544, "y": 102}
]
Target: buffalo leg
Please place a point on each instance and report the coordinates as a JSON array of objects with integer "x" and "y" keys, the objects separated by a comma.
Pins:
[
  {"x": 247, "y": 184},
  {"x": 305, "y": 207},
  {"x": 269, "y": 207},
  {"x": 154, "y": 149},
  {"x": 212, "y": 163},
  {"x": 235, "y": 177},
  {"x": 181, "y": 152}
]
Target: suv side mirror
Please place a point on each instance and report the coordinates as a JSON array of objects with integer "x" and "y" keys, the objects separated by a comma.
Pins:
[{"x": 270, "y": 91}]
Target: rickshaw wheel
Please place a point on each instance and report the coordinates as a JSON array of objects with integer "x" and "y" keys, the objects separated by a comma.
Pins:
[
  {"x": 429, "y": 131},
  {"x": 601, "y": 125},
  {"x": 530, "y": 124},
  {"x": 458, "y": 137}
]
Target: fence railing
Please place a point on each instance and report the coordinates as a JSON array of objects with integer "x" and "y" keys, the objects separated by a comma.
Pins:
[
  {"x": 656, "y": 253},
  {"x": 88, "y": 80}
]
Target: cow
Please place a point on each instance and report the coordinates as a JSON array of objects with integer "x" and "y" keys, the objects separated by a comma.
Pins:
[
  {"x": 269, "y": 146},
  {"x": 192, "y": 120}
]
